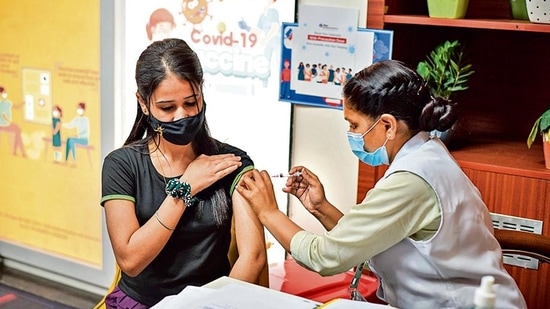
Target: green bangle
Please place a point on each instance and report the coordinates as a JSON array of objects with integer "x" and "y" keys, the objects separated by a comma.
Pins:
[{"x": 180, "y": 190}]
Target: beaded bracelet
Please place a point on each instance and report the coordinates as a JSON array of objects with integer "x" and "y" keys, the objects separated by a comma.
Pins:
[{"x": 180, "y": 190}]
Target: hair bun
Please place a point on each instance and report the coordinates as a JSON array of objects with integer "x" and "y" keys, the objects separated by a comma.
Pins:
[{"x": 439, "y": 114}]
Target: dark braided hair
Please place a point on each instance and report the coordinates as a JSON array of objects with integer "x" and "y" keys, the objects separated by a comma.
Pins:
[{"x": 390, "y": 87}]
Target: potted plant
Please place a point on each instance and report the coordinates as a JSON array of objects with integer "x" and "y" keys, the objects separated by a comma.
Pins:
[
  {"x": 519, "y": 9},
  {"x": 446, "y": 71},
  {"x": 538, "y": 11},
  {"x": 447, "y": 8},
  {"x": 542, "y": 127}
]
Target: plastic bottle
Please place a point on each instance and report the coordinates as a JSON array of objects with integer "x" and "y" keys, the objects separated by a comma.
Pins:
[{"x": 485, "y": 296}]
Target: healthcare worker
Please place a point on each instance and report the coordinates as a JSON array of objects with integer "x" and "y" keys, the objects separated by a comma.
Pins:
[{"x": 423, "y": 228}]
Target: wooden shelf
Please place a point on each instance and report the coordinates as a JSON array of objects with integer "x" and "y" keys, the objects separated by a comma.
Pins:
[
  {"x": 504, "y": 157},
  {"x": 496, "y": 24},
  {"x": 491, "y": 146}
]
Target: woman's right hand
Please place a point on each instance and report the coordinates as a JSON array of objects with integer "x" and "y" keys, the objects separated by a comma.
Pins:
[
  {"x": 206, "y": 170},
  {"x": 310, "y": 191},
  {"x": 307, "y": 188}
]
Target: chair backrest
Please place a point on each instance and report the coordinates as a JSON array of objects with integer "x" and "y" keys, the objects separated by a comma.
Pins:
[
  {"x": 114, "y": 283},
  {"x": 523, "y": 243}
]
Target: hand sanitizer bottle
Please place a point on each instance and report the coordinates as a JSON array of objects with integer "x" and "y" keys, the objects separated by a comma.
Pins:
[{"x": 485, "y": 296}]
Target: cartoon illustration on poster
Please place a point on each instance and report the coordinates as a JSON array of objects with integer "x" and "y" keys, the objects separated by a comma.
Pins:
[
  {"x": 230, "y": 41},
  {"x": 8, "y": 126},
  {"x": 161, "y": 25},
  {"x": 37, "y": 95},
  {"x": 81, "y": 124},
  {"x": 57, "y": 114}
]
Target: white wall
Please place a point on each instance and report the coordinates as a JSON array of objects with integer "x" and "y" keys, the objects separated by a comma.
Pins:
[{"x": 319, "y": 143}]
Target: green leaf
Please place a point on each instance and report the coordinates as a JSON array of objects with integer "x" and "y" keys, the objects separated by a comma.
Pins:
[
  {"x": 458, "y": 88},
  {"x": 533, "y": 133},
  {"x": 541, "y": 126},
  {"x": 545, "y": 121},
  {"x": 444, "y": 69}
]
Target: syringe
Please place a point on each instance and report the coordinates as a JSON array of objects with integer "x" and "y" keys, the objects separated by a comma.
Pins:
[{"x": 284, "y": 175}]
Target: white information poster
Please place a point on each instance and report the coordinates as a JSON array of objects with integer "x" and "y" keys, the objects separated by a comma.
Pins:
[{"x": 325, "y": 39}]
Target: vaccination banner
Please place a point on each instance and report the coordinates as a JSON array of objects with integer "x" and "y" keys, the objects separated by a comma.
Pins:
[
  {"x": 50, "y": 129},
  {"x": 238, "y": 43},
  {"x": 235, "y": 40},
  {"x": 324, "y": 50}
]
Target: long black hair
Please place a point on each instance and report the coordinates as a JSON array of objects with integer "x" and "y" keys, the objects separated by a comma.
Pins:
[{"x": 156, "y": 62}]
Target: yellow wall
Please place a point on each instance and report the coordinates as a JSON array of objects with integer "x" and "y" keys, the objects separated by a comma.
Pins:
[{"x": 50, "y": 51}]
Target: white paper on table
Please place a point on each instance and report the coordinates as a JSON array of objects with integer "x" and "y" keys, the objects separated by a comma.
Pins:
[
  {"x": 352, "y": 304},
  {"x": 248, "y": 296},
  {"x": 188, "y": 295}
]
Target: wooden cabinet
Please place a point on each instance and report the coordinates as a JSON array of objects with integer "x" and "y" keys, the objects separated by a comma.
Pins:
[
  {"x": 520, "y": 196},
  {"x": 510, "y": 89}
]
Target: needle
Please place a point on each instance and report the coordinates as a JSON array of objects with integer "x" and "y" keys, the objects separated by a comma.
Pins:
[{"x": 284, "y": 175}]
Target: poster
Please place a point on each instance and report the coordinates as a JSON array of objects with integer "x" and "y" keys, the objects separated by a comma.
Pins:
[
  {"x": 326, "y": 40},
  {"x": 239, "y": 50},
  {"x": 319, "y": 82},
  {"x": 50, "y": 129}
]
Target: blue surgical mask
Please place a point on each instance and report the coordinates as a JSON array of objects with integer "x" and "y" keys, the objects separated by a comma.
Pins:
[{"x": 357, "y": 144}]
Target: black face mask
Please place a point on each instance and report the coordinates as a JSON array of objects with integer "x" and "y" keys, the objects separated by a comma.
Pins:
[{"x": 181, "y": 131}]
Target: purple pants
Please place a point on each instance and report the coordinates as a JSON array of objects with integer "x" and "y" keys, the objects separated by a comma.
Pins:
[{"x": 119, "y": 300}]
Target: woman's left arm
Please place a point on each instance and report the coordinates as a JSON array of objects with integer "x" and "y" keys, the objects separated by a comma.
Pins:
[{"x": 249, "y": 234}]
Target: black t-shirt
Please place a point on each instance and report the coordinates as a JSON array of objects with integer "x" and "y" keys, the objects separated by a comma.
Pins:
[{"x": 196, "y": 253}]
